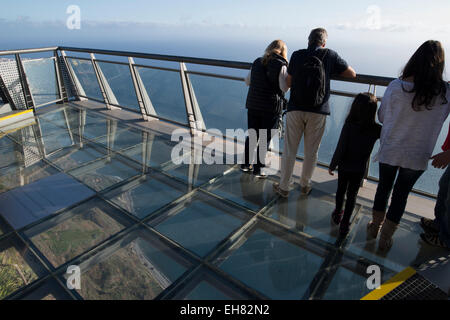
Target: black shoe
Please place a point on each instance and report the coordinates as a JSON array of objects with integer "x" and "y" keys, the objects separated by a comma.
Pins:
[
  {"x": 433, "y": 240},
  {"x": 336, "y": 216},
  {"x": 428, "y": 226},
  {"x": 246, "y": 168}
]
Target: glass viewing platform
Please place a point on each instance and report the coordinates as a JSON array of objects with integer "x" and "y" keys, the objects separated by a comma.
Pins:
[{"x": 88, "y": 179}]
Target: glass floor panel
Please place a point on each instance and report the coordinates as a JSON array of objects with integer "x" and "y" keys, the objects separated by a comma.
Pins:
[
  {"x": 273, "y": 265},
  {"x": 48, "y": 128},
  {"x": 147, "y": 194},
  {"x": 152, "y": 229},
  {"x": 11, "y": 153},
  {"x": 73, "y": 157},
  {"x": 61, "y": 116},
  {"x": 90, "y": 125},
  {"x": 206, "y": 285},
  {"x": 105, "y": 173},
  {"x": 48, "y": 290},
  {"x": 155, "y": 152},
  {"x": 18, "y": 174},
  {"x": 201, "y": 173},
  {"x": 310, "y": 214},
  {"x": 201, "y": 223},
  {"x": 137, "y": 267},
  {"x": 92, "y": 131},
  {"x": 244, "y": 189},
  {"x": 19, "y": 266},
  {"x": 350, "y": 281},
  {"x": 57, "y": 141},
  {"x": 206, "y": 291},
  {"x": 5, "y": 141},
  {"x": 73, "y": 232},
  {"x": 121, "y": 139},
  {"x": 4, "y": 226},
  {"x": 35, "y": 201}
]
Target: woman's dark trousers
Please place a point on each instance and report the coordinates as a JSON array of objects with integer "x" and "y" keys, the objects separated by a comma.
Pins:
[
  {"x": 259, "y": 120},
  {"x": 404, "y": 180}
]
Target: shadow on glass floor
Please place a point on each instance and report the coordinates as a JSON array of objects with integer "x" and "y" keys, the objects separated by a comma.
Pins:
[
  {"x": 244, "y": 189},
  {"x": 309, "y": 214},
  {"x": 408, "y": 249}
]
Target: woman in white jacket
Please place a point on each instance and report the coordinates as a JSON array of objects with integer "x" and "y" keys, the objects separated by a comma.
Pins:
[{"x": 413, "y": 110}]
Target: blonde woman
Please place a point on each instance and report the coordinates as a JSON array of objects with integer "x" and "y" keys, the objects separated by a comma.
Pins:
[{"x": 267, "y": 85}]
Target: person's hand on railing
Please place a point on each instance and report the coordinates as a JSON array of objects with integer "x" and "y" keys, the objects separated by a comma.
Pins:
[{"x": 441, "y": 160}]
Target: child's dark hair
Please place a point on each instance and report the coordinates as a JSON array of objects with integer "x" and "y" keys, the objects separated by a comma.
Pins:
[{"x": 363, "y": 109}]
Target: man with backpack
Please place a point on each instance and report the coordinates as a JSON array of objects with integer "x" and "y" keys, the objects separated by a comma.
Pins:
[{"x": 309, "y": 76}]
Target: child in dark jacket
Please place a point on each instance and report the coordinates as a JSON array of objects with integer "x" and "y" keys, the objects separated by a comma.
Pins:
[{"x": 358, "y": 136}]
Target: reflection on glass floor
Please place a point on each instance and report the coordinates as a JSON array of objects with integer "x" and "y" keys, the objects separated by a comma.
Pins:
[{"x": 107, "y": 197}]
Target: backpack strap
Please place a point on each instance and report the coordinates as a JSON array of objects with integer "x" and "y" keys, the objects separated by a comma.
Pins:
[{"x": 325, "y": 51}]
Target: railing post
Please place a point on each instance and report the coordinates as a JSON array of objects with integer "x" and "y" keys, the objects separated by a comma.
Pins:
[
  {"x": 145, "y": 104},
  {"x": 60, "y": 81},
  {"x": 108, "y": 96},
  {"x": 79, "y": 91},
  {"x": 28, "y": 97},
  {"x": 195, "y": 119}
]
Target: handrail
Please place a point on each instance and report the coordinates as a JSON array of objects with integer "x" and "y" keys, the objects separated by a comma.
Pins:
[
  {"x": 202, "y": 61},
  {"x": 360, "y": 78},
  {"x": 25, "y": 51}
]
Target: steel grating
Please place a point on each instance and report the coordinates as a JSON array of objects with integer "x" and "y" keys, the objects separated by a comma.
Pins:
[{"x": 10, "y": 76}]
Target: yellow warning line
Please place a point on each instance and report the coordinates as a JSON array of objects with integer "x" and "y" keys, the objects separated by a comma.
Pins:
[
  {"x": 15, "y": 114},
  {"x": 390, "y": 285}
]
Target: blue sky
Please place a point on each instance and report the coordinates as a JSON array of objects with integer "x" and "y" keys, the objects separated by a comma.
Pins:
[
  {"x": 246, "y": 12},
  {"x": 229, "y": 28}
]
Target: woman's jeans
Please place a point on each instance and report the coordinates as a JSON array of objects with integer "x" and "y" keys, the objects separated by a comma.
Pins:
[
  {"x": 404, "y": 182},
  {"x": 442, "y": 209}
]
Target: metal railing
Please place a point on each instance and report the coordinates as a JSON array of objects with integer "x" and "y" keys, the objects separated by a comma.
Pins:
[{"x": 194, "y": 118}]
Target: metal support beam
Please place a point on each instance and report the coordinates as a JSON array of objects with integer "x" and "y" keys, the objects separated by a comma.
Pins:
[
  {"x": 145, "y": 104},
  {"x": 79, "y": 91},
  {"x": 194, "y": 116},
  {"x": 28, "y": 97},
  {"x": 108, "y": 96},
  {"x": 59, "y": 78}
]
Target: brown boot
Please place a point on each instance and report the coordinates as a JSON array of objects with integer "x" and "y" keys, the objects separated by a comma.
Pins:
[
  {"x": 373, "y": 227},
  {"x": 387, "y": 231}
]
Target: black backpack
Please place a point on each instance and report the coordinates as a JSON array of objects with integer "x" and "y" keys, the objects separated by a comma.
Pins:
[{"x": 311, "y": 81}]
